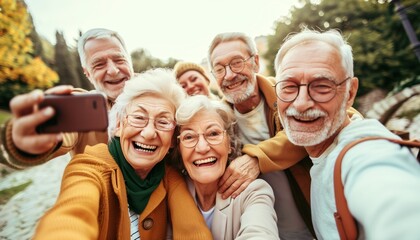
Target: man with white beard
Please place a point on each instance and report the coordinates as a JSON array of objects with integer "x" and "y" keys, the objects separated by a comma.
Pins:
[{"x": 315, "y": 85}]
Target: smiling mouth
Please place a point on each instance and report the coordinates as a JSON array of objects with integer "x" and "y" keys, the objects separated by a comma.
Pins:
[
  {"x": 305, "y": 119},
  {"x": 144, "y": 148},
  {"x": 116, "y": 82},
  {"x": 195, "y": 92},
  {"x": 234, "y": 85},
  {"x": 205, "y": 162}
]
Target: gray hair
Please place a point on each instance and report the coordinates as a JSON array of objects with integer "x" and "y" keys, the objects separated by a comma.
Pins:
[
  {"x": 155, "y": 81},
  {"x": 199, "y": 103},
  {"x": 98, "y": 33},
  {"x": 229, "y": 37},
  {"x": 331, "y": 37}
]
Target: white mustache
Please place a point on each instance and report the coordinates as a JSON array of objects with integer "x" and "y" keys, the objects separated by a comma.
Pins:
[
  {"x": 238, "y": 78},
  {"x": 308, "y": 114}
]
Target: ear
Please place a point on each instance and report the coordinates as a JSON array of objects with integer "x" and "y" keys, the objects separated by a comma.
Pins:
[
  {"x": 88, "y": 76},
  {"x": 119, "y": 127},
  {"x": 354, "y": 85},
  {"x": 256, "y": 63}
]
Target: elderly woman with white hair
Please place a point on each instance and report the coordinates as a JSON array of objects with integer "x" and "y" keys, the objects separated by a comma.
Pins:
[
  {"x": 121, "y": 190},
  {"x": 207, "y": 143}
]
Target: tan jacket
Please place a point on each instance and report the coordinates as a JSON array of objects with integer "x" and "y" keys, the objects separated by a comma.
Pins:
[
  {"x": 250, "y": 215},
  {"x": 92, "y": 204}
]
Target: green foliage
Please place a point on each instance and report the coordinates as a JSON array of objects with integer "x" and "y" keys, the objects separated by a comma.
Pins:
[
  {"x": 65, "y": 63},
  {"x": 8, "y": 193},
  {"x": 142, "y": 61},
  {"x": 4, "y": 116},
  {"x": 381, "y": 50}
]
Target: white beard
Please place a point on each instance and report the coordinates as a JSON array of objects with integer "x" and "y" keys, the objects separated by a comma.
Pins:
[
  {"x": 311, "y": 138},
  {"x": 236, "y": 98}
]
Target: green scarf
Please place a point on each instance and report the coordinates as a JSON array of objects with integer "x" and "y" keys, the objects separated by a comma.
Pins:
[{"x": 138, "y": 190}]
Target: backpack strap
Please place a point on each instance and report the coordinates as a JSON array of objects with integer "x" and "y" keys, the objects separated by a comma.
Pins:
[{"x": 345, "y": 222}]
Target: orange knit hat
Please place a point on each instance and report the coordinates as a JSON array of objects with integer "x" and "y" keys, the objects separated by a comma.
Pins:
[{"x": 182, "y": 67}]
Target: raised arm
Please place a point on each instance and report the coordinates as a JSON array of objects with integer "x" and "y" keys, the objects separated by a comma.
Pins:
[
  {"x": 258, "y": 218},
  {"x": 75, "y": 213}
]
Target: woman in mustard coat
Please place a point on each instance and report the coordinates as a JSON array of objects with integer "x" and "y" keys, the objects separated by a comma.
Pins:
[{"x": 120, "y": 190}]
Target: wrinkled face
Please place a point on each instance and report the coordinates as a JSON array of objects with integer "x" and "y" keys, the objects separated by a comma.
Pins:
[
  {"x": 205, "y": 163},
  {"x": 236, "y": 87},
  {"x": 107, "y": 66},
  {"x": 194, "y": 83},
  {"x": 144, "y": 147},
  {"x": 306, "y": 122}
]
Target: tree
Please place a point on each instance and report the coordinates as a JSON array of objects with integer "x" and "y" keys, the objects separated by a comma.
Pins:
[
  {"x": 380, "y": 46},
  {"x": 20, "y": 70},
  {"x": 65, "y": 62},
  {"x": 84, "y": 81},
  {"x": 143, "y": 60}
]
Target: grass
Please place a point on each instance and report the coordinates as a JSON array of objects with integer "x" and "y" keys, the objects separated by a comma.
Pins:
[
  {"x": 4, "y": 115},
  {"x": 8, "y": 193}
]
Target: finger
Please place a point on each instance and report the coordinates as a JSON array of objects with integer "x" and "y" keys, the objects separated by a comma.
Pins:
[
  {"x": 27, "y": 124},
  {"x": 23, "y": 104},
  {"x": 62, "y": 89},
  {"x": 25, "y": 137},
  {"x": 240, "y": 189},
  {"x": 228, "y": 178},
  {"x": 40, "y": 143},
  {"x": 226, "y": 185},
  {"x": 233, "y": 187},
  {"x": 225, "y": 177}
]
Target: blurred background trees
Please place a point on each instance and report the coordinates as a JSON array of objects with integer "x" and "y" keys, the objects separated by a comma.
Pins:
[
  {"x": 383, "y": 56},
  {"x": 382, "y": 53},
  {"x": 28, "y": 61},
  {"x": 21, "y": 70}
]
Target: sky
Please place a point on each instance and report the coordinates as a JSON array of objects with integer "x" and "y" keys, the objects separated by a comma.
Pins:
[{"x": 181, "y": 29}]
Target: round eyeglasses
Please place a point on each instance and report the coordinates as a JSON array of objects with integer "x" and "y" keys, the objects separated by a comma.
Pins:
[
  {"x": 213, "y": 136},
  {"x": 236, "y": 65},
  {"x": 141, "y": 121},
  {"x": 321, "y": 90}
]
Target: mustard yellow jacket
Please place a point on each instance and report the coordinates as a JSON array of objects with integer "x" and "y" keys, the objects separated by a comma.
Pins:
[{"x": 92, "y": 204}]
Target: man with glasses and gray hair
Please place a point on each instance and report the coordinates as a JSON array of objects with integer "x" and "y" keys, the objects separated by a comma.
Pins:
[
  {"x": 234, "y": 63},
  {"x": 315, "y": 86}
]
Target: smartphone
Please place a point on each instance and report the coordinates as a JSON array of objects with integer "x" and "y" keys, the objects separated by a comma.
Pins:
[{"x": 75, "y": 113}]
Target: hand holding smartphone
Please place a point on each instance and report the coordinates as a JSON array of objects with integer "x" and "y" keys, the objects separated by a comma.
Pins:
[{"x": 75, "y": 113}]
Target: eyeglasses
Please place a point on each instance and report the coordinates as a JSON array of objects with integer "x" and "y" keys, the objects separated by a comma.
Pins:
[
  {"x": 213, "y": 136},
  {"x": 236, "y": 65},
  {"x": 141, "y": 121},
  {"x": 322, "y": 90}
]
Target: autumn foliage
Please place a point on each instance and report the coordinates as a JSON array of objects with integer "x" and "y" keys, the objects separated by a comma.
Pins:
[{"x": 20, "y": 71}]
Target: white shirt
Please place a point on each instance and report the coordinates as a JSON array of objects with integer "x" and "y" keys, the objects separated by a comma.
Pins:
[
  {"x": 381, "y": 185},
  {"x": 252, "y": 126}
]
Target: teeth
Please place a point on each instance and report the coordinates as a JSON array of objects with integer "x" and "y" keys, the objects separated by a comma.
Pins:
[
  {"x": 115, "y": 81},
  {"x": 145, "y": 147},
  {"x": 234, "y": 85},
  {"x": 305, "y": 119},
  {"x": 203, "y": 161}
]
